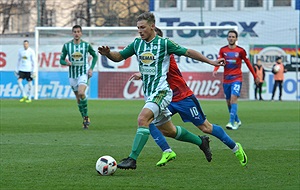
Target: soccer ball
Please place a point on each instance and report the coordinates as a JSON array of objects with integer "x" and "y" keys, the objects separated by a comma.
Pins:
[
  {"x": 276, "y": 68},
  {"x": 106, "y": 165}
]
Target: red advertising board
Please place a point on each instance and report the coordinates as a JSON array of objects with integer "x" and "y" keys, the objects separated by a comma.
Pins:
[{"x": 116, "y": 85}]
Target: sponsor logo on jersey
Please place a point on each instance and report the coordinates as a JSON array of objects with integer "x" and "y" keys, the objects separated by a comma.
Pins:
[
  {"x": 147, "y": 58},
  {"x": 77, "y": 56},
  {"x": 147, "y": 70}
]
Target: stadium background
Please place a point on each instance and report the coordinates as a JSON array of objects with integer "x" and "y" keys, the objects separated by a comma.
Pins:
[{"x": 266, "y": 31}]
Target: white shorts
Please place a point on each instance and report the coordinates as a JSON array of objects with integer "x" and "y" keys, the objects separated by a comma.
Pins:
[
  {"x": 158, "y": 104},
  {"x": 81, "y": 80}
]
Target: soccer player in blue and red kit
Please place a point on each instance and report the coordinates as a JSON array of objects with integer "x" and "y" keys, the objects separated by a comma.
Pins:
[
  {"x": 232, "y": 80},
  {"x": 188, "y": 107}
]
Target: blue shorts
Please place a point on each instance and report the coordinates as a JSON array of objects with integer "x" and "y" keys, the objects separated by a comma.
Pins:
[
  {"x": 232, "y": 89},
  {"x": 189, "y": 110}
]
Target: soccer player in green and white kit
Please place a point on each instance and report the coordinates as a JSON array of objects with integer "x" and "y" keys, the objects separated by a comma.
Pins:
[
  {"x": 153, "y": 54},
  {"x": 80, "y": 71}
]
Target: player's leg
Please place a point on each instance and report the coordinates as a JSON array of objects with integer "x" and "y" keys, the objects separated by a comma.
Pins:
[
  {"x": 154, "y": 110},
  {"x": 161, "y": 141},
  {"x": 190, "y": 110},
  {"x": 21, "y": 87},
  {"x": 227, "y": 93},
  {"x": 235, "y": 93},
  {"x": 83, "y": 99},
  {"x": 156, "y": 134},
  {"x": 81, "y": 105},
  {"x": 158, "y": 137},
  {"x": 29, "y": 92},
  {"x": 168, "y": 154},
  {"x": 218, "y": 132},
  {"x": 145, "y": 117},
  {"x": 83, "y": 102},
  {"x": 182, "y": 134},
  {"x": 74, "y": 85}
]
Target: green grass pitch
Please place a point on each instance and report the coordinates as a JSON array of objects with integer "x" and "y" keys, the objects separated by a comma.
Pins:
[{"x": 44, "y": 147}]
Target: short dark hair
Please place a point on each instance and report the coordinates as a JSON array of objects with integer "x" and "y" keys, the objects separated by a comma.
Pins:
[
  {"x": 278, "y": 58},
  {"x": 149, "y": 17},
  {"x": 233, "y": 31},
  {"x": 77, "y": 26},
  {"x": 25, "y": 41},
  {"x": 159, "y": 32}
]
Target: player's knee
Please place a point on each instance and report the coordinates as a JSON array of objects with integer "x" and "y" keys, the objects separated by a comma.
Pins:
[
  {"x": 142, "y": 121},
  {"x": 81, "y": 94},
  {"x": 168, "y": 133},
  {"x": 206, "y": 127},
  {"x": 168, "y": 129}
]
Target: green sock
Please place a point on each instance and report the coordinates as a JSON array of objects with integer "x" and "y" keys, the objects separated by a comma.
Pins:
[
  {"x": 80, "y": 109},
  {"x": 140, "y": 139},
  {"x": 84, "y": 109},
  {"x": 184, "y": 135}
]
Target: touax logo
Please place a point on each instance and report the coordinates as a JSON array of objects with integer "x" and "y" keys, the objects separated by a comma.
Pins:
[{"x": 247, "y": 28}]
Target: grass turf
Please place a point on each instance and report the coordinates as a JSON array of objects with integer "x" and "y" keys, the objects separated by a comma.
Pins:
[{"x": 44, "y": 147}]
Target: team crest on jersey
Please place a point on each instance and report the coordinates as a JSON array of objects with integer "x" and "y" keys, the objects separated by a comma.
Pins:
[
  {"x": 77, "y": 56},
  {"x": 147, "y": 58}
]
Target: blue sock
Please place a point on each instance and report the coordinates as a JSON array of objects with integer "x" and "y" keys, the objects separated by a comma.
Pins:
[
  {"x": 237, "y": 119},
  {"x": 158, "y": 137},
  {"x": 218, "y": 132},
  {"x": 233, "y": 112},
  {"x": 229, "y": 108}
]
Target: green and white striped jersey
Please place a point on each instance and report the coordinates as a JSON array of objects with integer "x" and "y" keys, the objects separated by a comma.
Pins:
[
  {"x": 78, "y": 55},
  {"x": 154, "y": 61}
]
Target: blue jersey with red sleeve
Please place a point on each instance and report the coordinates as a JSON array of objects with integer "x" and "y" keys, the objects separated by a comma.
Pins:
[
  {"x": 232, "y": 69},
  {"x": 176, "y": 82}
]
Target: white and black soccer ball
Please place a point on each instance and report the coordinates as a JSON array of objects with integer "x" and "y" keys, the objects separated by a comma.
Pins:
[
  {"x": 106, "y": 165},
  {"x": 276, "y": 68}
]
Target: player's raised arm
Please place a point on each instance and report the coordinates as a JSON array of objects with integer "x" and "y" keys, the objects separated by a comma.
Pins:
[
  {"x": 198, "y": 56},
  {"x": 112, "y": 55}
]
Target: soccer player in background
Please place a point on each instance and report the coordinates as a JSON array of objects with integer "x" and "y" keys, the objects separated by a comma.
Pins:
[
  {"x": 26, "y": 70},
  {"x": 278, "y": 77},
  {"x": 232, "y": 78},
  {"x": 153, "y": 54},
  {"x": 260, "y": 72},
  {"x": 80, "y": 71},
  {"x": 188, "y": 107}
]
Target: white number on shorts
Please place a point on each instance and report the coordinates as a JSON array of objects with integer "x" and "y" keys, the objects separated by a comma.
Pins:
[
  {"x": 194, "y": 111},
  {"x": 236, "y": 87}
]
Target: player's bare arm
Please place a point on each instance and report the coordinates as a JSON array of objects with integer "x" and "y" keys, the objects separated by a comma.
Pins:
[
  {"x": 68, "y": 62},
  {"x": 214, "y": 73},
  {"x": 90, "y": 73},
  {"x": 198, "y": 56},
  {"x": 112, "y": 55},
  {"x": 135, "y": 76}
]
